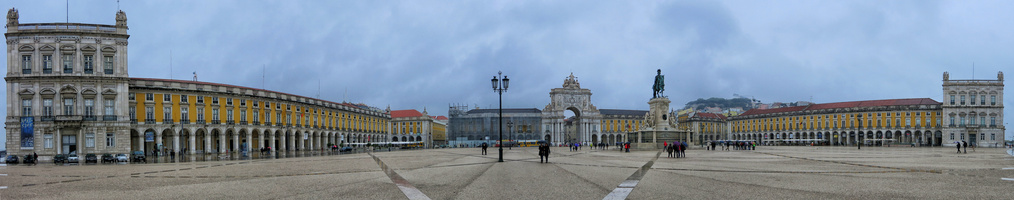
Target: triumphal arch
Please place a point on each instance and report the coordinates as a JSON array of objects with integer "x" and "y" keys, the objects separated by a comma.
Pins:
[{"x": 574, "y": 98}]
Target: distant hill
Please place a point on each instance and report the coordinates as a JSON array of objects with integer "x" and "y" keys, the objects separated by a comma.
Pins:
[{"x": 701, "y": 103}]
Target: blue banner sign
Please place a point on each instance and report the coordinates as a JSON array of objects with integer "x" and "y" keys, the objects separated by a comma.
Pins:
[
  {"x": 149, "y": 137},
  {"x": 27, "y": 132}
]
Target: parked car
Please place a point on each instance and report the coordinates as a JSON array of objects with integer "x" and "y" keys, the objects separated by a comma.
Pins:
[
  {"x": 138, "y": 157},
  {"x": 344, "y": 149},
  {"x": 108, "y": 158},
  {"x": 72, "y": 158},
  {"x": 122, "y": 158},
  {"x": 29, "y": 159},
  {"x": 59, "y": 159},
  {"x": 91, "y": 158},
  {"x": 12, "y": 159}
]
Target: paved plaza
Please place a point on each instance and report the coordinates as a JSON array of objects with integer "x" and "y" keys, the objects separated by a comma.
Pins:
[{"x": 766, "y": 173}]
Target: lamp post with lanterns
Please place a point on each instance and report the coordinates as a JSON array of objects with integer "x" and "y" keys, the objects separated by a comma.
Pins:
[{"x": 500, "y": 87}]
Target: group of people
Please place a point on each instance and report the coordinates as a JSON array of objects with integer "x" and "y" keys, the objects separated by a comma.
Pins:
[
  {"x": 738, "y": 145},
  {"x": 964, "y": 145},
  {"x": 676, "y": 149}
]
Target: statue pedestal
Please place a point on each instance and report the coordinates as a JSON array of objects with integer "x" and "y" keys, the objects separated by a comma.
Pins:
[{"x": 660, "y": 127}]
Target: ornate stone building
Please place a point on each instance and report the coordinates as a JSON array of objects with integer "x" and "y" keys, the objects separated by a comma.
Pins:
[
  {"x": 578, "y": 100},
  {"x": 68, "y": 91},
  {"x": 973, "y": 111}
]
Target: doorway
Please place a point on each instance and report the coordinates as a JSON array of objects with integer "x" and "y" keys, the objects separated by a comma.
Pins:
[{"x": 69, "y": 144}]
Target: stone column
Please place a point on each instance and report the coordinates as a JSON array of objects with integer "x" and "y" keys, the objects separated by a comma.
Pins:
[
  {"x": 192, "y": 145},
  {"x": 301, "y": 141},
  {"x": 221, "y": 143},
  {"x": 176, "y": 141},
  {"x": 158, "y": 141},
  {"x": 235, "y": 141},
  {"x": 271, "y": 142},
  {"x": 282, "y": 142},
  {"x": 249, "y": 140},
  {"x": 59, "y": 141},
  {"x": 207, "y": 143}
]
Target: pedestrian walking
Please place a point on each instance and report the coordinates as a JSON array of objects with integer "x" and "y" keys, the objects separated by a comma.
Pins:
[
  {"x": 958, "y": 144},
  {"x": 683, "y": 149},
  {"x": 484, "y": 145},
  {"x": 965, "y": 145},
  {"x": 544, "y": 153}
]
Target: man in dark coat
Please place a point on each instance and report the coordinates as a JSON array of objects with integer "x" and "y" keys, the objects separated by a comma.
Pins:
[
  {"x": 683, "y": 149},
  {"x": 484, "y": 145},
  {"x": 959, "y": 146},
  {"x": 544, "y": 153},
  {"x": 669, "y": 148},
  {"x": 965, "y": 146}
]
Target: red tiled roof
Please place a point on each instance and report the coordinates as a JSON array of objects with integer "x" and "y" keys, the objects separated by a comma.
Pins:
[
  {"x": 709, "y": 115},
  {"x": 850, "y": 104},
  {"x": 440, "y": 117},
  {"x": 405, "y": 113},
  {"x": 773, "y": 110}
]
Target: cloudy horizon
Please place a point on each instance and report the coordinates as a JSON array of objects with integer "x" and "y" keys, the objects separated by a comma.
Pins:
[{"x": 430, "y": 54}]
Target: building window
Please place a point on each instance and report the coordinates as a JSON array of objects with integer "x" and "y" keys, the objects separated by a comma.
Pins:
[
  {"x": 256, "y": 115},
  {"x": 109, "y": 107},
  {"x": 26, "y": 64},
  {"x": 962, "y": 122},
  {"x": 992, "y": 121},
  {"x": 952, "y": 99},
  {"x": 982, "y": 121},
  {"x": 952, "y": 120},
  {"x": 68, "y": 63},
  {"x": 90, "y": 140},
  {"x": 149, "y": 113},
  {"x": 972, "y": 99},
  {"x": 149, "y": 97},
  {"x": 200, "y": 115},
  {"x": 89, "y": 107},
  {"x": 242, "y": 115},
  {"x": 992, "y": 100},
  {"x": 267, "y": 117},
  {"x": 214, "y": 114},
  {"x": 184, "y": 99},
  {"x": 88, "y": 60},
  {"x": 214, "y": 100},
  {"x": 971, "y": 120},
  {"x": 982, "y": 136},
  {"x": 952, "y": 136},
  {"x": 184, "y": 115},
  {"x": 133, "y": 113},
  {"x": 47, "y": 64},
  {"x": 26, "y": 107},
  {"x": 228, "y": 101},
  {"x": 110, "y": 140},
  {"x": 992, "y": 136},
  {"x": 962, "y": 136},
  {"x": 167, "y": 97},
  {"x": 107, "y": 65},
  {"x": 167, "y": 113},
  {"x": 47, "y": 107},
  {"x": 982, "y": 101},
  {"x": 130, "y": 96},
  {"x": 962, "y": 99},
  {"x": 68, "y": 106},
  {"x": 200, "y": 99},
  {"x": 48, "y": 138}
]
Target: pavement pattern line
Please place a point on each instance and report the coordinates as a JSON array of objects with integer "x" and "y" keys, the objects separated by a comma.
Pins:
[
  {"x": 627, "y": 186},
  {"x": 3, "y": 187},
  {"x": 410, "y": 191},
  {"x": 1009, "y": 168},
  {"x": 854, "y": 164},
  {"x": 1007, "y": 179}
]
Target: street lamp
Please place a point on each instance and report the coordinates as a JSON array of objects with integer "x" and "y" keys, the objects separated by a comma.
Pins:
[
  {"x": 500, "y": 87},
  {"x": 859, "y": 144},
  {"x": 510, "y": 131}
]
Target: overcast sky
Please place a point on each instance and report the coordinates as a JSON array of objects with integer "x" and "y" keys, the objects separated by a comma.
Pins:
[{"x": 416, "y": 54}]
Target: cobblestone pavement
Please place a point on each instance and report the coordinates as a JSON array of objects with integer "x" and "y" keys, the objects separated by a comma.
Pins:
[{"x": 766, "y": 173}]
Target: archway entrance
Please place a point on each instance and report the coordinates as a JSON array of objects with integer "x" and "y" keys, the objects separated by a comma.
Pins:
[{"x": 570, "y": 117}]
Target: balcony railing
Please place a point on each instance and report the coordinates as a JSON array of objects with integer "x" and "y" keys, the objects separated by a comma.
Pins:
[
  {"x": 109, "y": 118},
  {"x": 149, "y": 121},
  {"x": 89, "y": 118},
  {"x": 242, "y": 123},
  {"x": 94, "y": 28},
  {"x": 167, "y": 121},
  {"x": 256, "y": 123},
  {"x": 200, "y": 122},
  {"x": 133, "y": 121},
  {"x": 216, "y": 121},
  {"x": 230, "y": 122},
  {"x": 185, "y": 121}
]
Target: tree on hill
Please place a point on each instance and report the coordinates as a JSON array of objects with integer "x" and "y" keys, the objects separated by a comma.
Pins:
[{"x": 701, "y": 103}]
